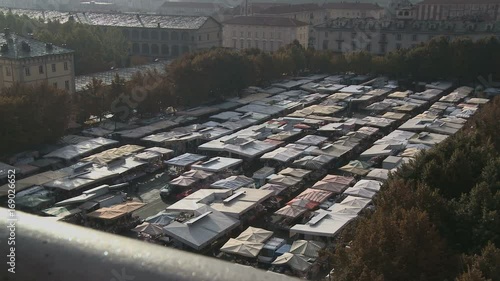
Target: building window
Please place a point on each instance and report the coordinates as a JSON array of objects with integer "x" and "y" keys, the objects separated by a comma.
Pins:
[
  {"x": 256, "y": 34},
  {"x": 398, "y": 36},
  {"x": 234, "y": 43},
  {"x": 272, "y": 46},
  {"x": 241, "y": 34},
  {"x": 415, "y": 37},
  {"x": 353, "y": 35},
  {"x": 339, "y": 45},
  {"x": 384, "y": 37},
  {"x": 249, "y": 34},
  {"x": 241, "y": 44},
  {"x": 66, "y": 85},
  {"x": 208, "y": 37},
  {"x": 65, "y": 65},
  {"x": 40, "y": 69},
  {"x": 353, "y": 46},
  {"x": 7, "y": 71},
  {"x": 326, "y": 34},
  {"x": 325, "y": 44},
  {"x": 234, "y": 33},
  {"x": 279, "y": 44},
  {"x": 256, "y": 44},
  {"x": 249, "y": 44},
  {"x": 272, "y": 35},
  {"x": 263, "y": 35},
  {"x": 199, "y": 37},
  {"x": 369, "y": 47},
  {"x": 55, "y": 84},
  {"x": 279, "y": 35},
  {"x": 382, "y": 48},
  {"x": 53, "y": 67},
  {"x": 398, "y": 46},
  {"x": 27, "y": 71}
]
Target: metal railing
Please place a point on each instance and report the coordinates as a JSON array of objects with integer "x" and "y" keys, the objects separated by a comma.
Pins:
[{"x": 48, "y": 250}]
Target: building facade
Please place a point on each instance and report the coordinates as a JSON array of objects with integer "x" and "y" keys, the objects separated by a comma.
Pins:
[
  {"x": 383, "y": 36},
  {"x": 453, "y": 9},
  {"x": 265, "y": 33},
  {"x": 354, "y": 10},
  {"x": 31, "y": 62}
]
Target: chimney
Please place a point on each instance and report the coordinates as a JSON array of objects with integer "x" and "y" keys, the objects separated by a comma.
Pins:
[{"x": 159, "y": 25}]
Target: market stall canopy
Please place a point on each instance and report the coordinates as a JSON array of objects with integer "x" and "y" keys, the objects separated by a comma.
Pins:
[
  {"x": 128, "y": 207},
  {"x": 61, "y": 212},
  {"x": 282, "y": 154},
  {"x": 276, "y": 188},
  {"x": 283, "y": 136},
  {"x": 341, "y": 180},
  {"x": 378, "y": 174},
  {"x": 295, "y": 172},
  {"x": 162, "y": 218},
  {"x": 369, "y": 184},
  {"x": 291, "y": 211},
  {"x": 350, "y": 205},
  {"x": 218, "y": 164},
  {"x": 241, "y": 201},
  {"x": 356, "y": 167},
  {"x": 197, "y": 174},
  {"x": 314, "y": 195},
  {"x": 330, "y": 186},
  {"x": 360, "y": 192},
  {"x": 207, "y": 226},
  {"x": 309, "y": 162},
  {"x": 183, "y": 181},
  {"x": 233, "y": 182},
  {"x": 242, "y": 248},
  {"x": 307, "y": 248},
  {"x": 110, "y": 155},
  {"x": 185, "y": 159},
  {"x": 312, "y": 140},
  {"x": 149, "y": 228},
  {"x": 255, "y": 235},
  {"x": 284, "y": 180},
  {"x": 324, "y": 224},
  {"x": 304, "y": 203},
  {"x": 83, "y": 148},
  {"x": 295, "y": 261}
]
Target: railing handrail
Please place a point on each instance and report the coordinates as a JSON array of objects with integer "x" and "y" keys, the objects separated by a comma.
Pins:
[{"x": 48, "y": 250}]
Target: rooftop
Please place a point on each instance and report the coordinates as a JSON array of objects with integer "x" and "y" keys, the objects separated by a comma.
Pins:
[
  {"x": 18, "y": 47},
  {"x": 287, "y": 9},
  {"x": 352, "y": 6},
  {"x": 265, "y": 21}
]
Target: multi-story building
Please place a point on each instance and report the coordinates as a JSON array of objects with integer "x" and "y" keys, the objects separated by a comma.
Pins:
[
  {"x": 457, "y": 9},
  {"x": 384, "y": 36},
  {"x": 265, "y": 33},
  {"x": 159, "y": 36},
  {"x": 354, "y": 10},
  {"x": 190, "y": 8},
  {"x": 28, "y": 61}
]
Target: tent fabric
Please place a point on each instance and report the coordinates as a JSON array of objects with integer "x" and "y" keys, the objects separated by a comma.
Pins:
[
  {"x": 161, "y": 218},
  {"x": 312, "y": 140},
  {"x": 356, "y": 167},
  {"x": 77, "y": 150},
  {"x": 276, "y": 188},
  {"x": 378, "y": 174},
  {"x": 128, "y": 207},
  {"x": 304, "y": 203},
  {"x": 242, "y": 248},
  {"x": 297, "y": 262},
  {"x": 360, "y": 192},
  {"x": 314, "y": 195},
  {"x": 284, "y": 180},
  {"x": 369, "y": 185},
  {"x": 291, "y": 211},
  {"x": 307, "y": 248},
  {"x": 204, "y": 231},
  {"x": 197, "y": 174},
  {"x": 282, "y": 154},
  {"x": 149, "y": 228},
  {"x": 339, "y": 179},
  {"x": 184, "y": 181},
  {"x": 308, "y": 162},
  {"x": 217, "y": 164},
  {"x": 255, "y": 235},
  {"x": 329, "y": 186},
  {"x": 350, "y": 205},
  {"x": 294, "y": 172},
  {"x": 185, "y": 159},
  {"x": 328, "y": 225},
  {"x": 110, "y": 155},
  {"x": 233, "y": 182},
  {"x": 38, "y": 179}
]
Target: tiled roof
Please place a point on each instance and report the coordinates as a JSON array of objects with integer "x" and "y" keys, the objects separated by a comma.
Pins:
[
  {"x": 287, "y": 9},
  {"x": 116, "y": 19},
  {"x": 37, "y": 48},
  {"x": 265, "y": 21},
  {"x": 352, "y": 6}
]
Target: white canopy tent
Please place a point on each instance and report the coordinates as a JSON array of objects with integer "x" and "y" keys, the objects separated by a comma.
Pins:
[
  {"x": 295, "y": 261},
  {"x": 307, "y": 248},
  {"x": 255, "y": 235},
  {"x": 242, "y": 248},
  {"x": 324, "y": 224}
]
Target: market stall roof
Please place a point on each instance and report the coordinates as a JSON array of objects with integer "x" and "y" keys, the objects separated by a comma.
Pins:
[
  {"x": 249, "y": 148},
  {"x": 307, "y": 248},
  {"x": 360, "y": 192},
  {"x": 324, "y": 224},
  {"x": 314, "y": 195},
  {"x": 329, "y": 186},
  {"x": 295, "y": 172},
  {"x": 378, "y": 174},
  {"x": 312, "y": 140},
  {"x": 81, "y": 149},
  {"x": 61, "y": 212},
  {"x": 184, "y": 181},
  {"x": 207, "y": 226},
  {"x": 309, "y": 162},
  {"x": 233, "y": 182},
  {"x": 255, "y": 235},
  {"x": 296, "y": 262},
  {"x": 128, "y": 207},
  {"x": 162, "y": 218},
  {"x": 197, "y": 174},
  {"x": 149, "y": 228},
  {"x": 218, "y": 164},
  {"x": 110, "y": 155},
  {"x": 350, "y": 205},
  {"x": 284, "y": 180},
  {"x": 304, "y": 203},
  {"x": 242, "y": 248},
  {"x": 38, "y": 179},
  {"x": 276, "y": 188},
  {"x": 160, "y": 150},
  {"x": 356, "y": 167},
  {"x": 199, "y": 199},
  {"x": 330, "y": 149},
  {"x": 185, "y": 159},
  {"x": 369, "y": 184},
  {"x": 241, "y": 201},
  {"x": 291, "y": 211}
]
